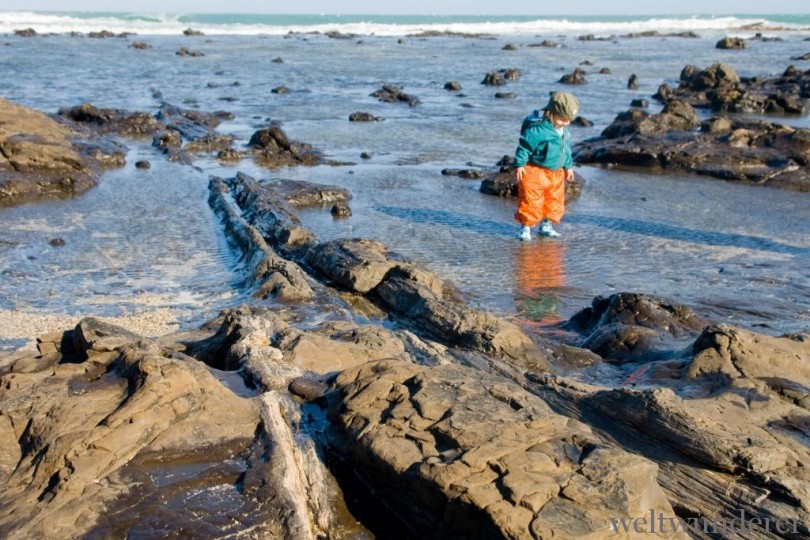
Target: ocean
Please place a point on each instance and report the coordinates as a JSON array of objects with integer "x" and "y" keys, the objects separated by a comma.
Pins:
[
  {"x": 146, "y": 241},
  {"x": 386, "y": 25}
]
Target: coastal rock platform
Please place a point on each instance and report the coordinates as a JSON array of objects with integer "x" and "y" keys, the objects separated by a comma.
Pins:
[
  {"x": 360, "y": 395},
  {"x": 724, "y": 145}
]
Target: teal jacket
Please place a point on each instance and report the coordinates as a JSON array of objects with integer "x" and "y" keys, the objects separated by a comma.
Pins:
[{"x": 541, "y": 145}]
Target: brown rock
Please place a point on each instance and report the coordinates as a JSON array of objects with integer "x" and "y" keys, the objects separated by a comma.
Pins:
[
  {"x": 473, "y": 456},
  {"x": 356, "y": 264},
  {"x": 76, "y": 427},
  {"x": 272, "y": 148},
  {"x": 38, "y": 157},
  {"x": 736, "y": 402},
  {"x": 271, "y": 274}
]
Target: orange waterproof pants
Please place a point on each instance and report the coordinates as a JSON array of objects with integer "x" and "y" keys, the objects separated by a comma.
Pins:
[{"x": 541, "y": 194}]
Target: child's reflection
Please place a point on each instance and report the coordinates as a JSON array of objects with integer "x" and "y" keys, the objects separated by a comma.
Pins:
[{"x": 539, "y": 273}]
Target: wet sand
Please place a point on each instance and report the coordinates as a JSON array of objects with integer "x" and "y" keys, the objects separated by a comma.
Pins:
[{"x": 20, "y": 324}]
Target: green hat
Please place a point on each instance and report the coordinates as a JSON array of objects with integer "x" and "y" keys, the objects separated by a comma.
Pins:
[{"x": 563, "y": 104}]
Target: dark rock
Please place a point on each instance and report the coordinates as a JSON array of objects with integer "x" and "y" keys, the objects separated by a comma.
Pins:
[
  {"x": 358, "y": 264},
  {"x": 627, "y": 326},
  {"x": 301, "y": 194},
  {"x": 470, "y": 174},
  {"x": 752, "y": 151},
  {"x": 575, "y": 77},
  {"x": 722, "y": 90},
  {"x": 103, "y": 34},
  {"x": 717, "y": 124},
  {"x": 142, "y": 164},
  {"x": 308, "y": 388},
  {"x": 209, "y": 144},
  {"x": 732, "y": 43},
  {"x": 452, "y": 86},
  {"x": 364, "y": 117},
  {"x": 405, "y": 292},
  {"x": 499, "y": 78},
  {"x": 268, "y": 211},
  {"x": 272, "y": 148},
  {"x": 137, "y": 124},
  {"x": 228, "y": 154},
  {"x": 494, "y": 78},
  {"x": 581, "y": 122},
  {"x": 106, "y": 153},
  {"x": 341, "y": 210},
  {"x": 168, "y": 140},
  {"x": 545, "y": 43},
  {"x": 512, "y": 74},
  {"x": 184, "y": 52},
  {"x": 664, "y": 93},
  {"x": 390, "y": 93},
  {"x": 255, "y": 226},
  {"x": 714, "y": 77},
  {"x": 192, "y": 125}
]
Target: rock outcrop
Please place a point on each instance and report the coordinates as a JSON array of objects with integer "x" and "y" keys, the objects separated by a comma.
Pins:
[
  {"x": 73, "y": 428},
  {"x": 459, "y": 453},
  {"x": 726, "y": 413},
  {"x": 627, "y": 327},
  {"x": 390, "y": 93},
  {"x": 719, "y": 88},
  {"x": 272, "y": 148},
  {"x": 361, "y": 396},
  {"x": 735, "y": 148},
  {"x": 416, "y": 297},
  {"x": 752, "y": 151},
  {"x": 40, "y": 157},
  {"x": 280, "y": 422}
]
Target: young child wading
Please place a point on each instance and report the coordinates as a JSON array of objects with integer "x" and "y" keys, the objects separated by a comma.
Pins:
[{"x": 543, "y": 164}]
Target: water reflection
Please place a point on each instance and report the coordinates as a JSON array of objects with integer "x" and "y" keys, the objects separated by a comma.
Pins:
[{"x": 539, "y": 276}]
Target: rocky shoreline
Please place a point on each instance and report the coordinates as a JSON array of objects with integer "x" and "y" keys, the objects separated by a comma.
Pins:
[
  {"x": 362, "y": 396},
  {"x": 722, "y": 146}
]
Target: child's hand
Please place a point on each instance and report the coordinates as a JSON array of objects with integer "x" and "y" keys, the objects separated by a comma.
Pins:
[
  {"x": 569, "y": 175},
  {"x": 519, "y": 172}
]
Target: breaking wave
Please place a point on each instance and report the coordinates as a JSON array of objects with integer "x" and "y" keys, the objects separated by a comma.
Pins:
[{"x": 387, "y": 25}]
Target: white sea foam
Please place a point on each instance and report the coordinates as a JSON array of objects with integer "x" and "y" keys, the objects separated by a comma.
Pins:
[{"x": 172, "y": 24}]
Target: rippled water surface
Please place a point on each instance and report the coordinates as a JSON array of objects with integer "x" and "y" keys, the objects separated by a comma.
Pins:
[{"x": 146, "y": 239}]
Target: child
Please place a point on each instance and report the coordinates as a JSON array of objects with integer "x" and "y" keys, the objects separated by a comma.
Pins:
[{"x": 543, "y": 164}]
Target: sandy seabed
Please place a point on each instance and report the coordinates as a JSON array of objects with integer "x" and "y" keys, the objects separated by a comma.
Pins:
[{"x": 18, "y": 324}]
